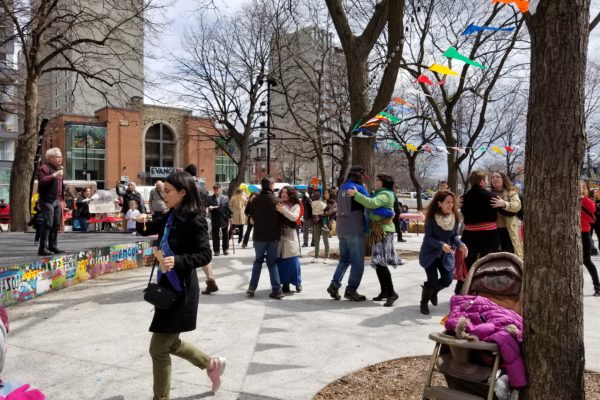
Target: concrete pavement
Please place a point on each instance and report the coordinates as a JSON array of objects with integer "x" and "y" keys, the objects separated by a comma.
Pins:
[{"x": 90, "y": 341}]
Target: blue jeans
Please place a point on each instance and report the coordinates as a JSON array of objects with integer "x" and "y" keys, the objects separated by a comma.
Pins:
[
  {"x": 445, "y": 278},
  {"x": 352, "y": 253},
  {"x": 268, "y": 250}
]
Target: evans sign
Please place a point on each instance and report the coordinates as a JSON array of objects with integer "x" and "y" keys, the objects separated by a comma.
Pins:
[{"x": 161, "y": 172}]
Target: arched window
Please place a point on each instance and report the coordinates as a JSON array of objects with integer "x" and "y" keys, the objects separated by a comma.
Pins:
[{"x": 160, "y": 147}]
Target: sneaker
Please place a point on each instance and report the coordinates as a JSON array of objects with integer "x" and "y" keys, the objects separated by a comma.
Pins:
[
  {"x": 597, "y": 290},
  {"x": 133, "y": 233},
  {"x": 225, "y": 253},
  {"x": 276, "y": 295},
  {"x": 298, "y": 288},
  {"x": 314, "y": 260},
  {"x": 214, "y": 374},
  {"x": 216, "y": 253},
  {"x": 354, "y": 296},
  {"x": 305, "y": 245},
  {"x": 325, "y": 261},
  {"x": 250, "y": 291},
  {"x": 286, "y": 288},
  {"x": 402, "y": 240},
  {"x": 334, "y": 292}
]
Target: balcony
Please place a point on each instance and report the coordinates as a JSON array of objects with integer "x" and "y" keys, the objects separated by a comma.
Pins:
[{"x": 8, "y": 47}]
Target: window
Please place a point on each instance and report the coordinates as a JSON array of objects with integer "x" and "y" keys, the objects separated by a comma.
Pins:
[
  {"x": 85, "y": 150},
  {"x": 160, "y": 147},
  {"x": 7, "y": 149},
  {"x": 4, "y": 183}
]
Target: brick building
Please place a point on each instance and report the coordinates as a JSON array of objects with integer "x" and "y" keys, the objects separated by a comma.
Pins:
[{"x": 140, "y": 143}]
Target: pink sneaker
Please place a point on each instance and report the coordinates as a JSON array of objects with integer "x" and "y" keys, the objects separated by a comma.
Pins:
[{"x": 214, "y": 374}]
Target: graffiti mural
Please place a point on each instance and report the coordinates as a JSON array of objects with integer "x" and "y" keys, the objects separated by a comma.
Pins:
[{"x": 23, "y": 282}]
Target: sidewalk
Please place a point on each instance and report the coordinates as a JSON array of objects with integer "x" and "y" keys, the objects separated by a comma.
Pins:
[{"x": 91, "y": 341}]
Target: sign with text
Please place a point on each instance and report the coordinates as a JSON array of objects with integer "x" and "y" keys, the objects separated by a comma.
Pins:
[{"x": 161, "y": 172}]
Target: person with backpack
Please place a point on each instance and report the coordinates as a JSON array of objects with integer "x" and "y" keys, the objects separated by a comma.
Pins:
[
  {"x": 587, "y": 219},
  {"x": 508, "y": 206}
]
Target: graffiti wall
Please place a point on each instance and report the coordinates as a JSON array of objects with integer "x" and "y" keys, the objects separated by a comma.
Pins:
[{"x": 23, "y": 282}]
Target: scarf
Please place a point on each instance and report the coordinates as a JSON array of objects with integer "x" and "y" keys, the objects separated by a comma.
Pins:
[
  {"x": 446, "y": 222},
  {"x": 167, "y": 252}
]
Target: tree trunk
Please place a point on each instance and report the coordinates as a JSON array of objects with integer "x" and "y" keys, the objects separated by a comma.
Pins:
[
  {"x": 553, "y": 304},
  {"x": 412, "y": 171},
  {"x": 452, "y": 171},
  {"x": 242, "y": 165},
  {"x": 324, "y": 184},
  {"x": 22, "y": 167},
  {"x": 344, "y": 162}
]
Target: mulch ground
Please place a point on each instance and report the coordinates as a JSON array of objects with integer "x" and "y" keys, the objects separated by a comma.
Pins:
[{"x": 404, "y": 379}]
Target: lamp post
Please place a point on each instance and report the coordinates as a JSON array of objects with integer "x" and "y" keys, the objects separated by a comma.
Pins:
[{"x": 270, "y": 82}]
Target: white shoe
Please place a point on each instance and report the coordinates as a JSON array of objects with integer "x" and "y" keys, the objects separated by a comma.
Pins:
[
  {"x": 325, "y": 261},
  {"x": 314, "y": 260}
]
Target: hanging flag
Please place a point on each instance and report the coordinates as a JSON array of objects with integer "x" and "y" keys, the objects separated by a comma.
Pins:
[
  {"x": 411, "y": 147},
  {"x": 453, "y": 53},
  {"x": 497, "y": 150},
  {"x": 475, "y": 28},
  {"x": 443, "y": 70},
  {"x": 424, "y": 79},
  {"x": 403, "y": 102},
  {"x": 388, "y": 117},
  {"x": 442, "y": 148},
  {"x": 363, "y": 133},
  {"x": 427, "y": 148},
  {"x": 508, "y": 149},
  {"x": 523, "y": 5},
  {"x": 483, "y": 149}
]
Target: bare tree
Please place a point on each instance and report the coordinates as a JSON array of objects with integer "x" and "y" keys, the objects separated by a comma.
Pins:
[
  {"x": 223, "y": 74},
  {"x": 460, "y": 107},
  {"x": 384, "y": 15},
  {"x": 69, "y": 36},
  {"x": 553, "y": 301}
]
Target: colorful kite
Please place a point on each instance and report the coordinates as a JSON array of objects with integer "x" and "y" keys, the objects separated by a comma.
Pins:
[
  {"x": 398, "y": 100},
  {"x": 475, "y": 28},
  {"x": 497, "y": 150},
  {"x": 509, "y": 149},
  {"x": 523, "y": 5},
  {"x": 453, "y": 53},
  {"x": 388, "y": 117},
  {"x": 427, "y": 148},
  {"x": 424, "y": 79},
  {"x": 411, "y": 147},
  {"x": 443, "y": 70}
]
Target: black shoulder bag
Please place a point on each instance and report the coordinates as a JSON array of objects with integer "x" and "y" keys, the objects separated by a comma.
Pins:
[{"x": 159, "y": 296}]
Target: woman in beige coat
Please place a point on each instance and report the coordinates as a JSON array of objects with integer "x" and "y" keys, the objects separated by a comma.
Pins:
[
  {"x": 288, "y": 252},
  {"x": 509, "y": 225},
  {"x": 238, "y": 220}
]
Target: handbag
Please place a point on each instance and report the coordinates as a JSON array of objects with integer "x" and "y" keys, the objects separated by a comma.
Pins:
[
  {"x": 159, "y": 296},
  {"x": 460, "y": 267}
]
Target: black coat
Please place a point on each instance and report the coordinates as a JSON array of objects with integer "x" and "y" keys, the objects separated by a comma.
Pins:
[
  {"x": 127, "y": 197},
  {"x": 219, "y": 217},
  {"x": 477, "y": 208},
  {"x": 188, "y": 239},
  {"x": 267, "y": 220}
]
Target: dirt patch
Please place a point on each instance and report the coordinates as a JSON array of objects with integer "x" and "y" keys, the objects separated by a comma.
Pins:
[
  {"x": 334, "y": 254},
  {"x": 404, "y": 378}
]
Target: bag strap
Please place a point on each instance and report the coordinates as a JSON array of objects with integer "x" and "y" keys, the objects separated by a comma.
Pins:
[
  {"x": 588, "y": 213},
  {"x": 152, "y": 273}
]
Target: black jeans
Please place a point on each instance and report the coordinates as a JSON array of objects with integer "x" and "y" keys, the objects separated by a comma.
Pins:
[
  {"x": 505, "y": 242},
  {"x": 247, "y": 234},
  {"x": 385, "y": 280},
  {"x": 586, "y": 244},
  {"x": 240, "y": 229},
  {"x": 398, "y": 228},
  {"x": 51, "y": 215},
  {"x": 445, "y": 276},
  {"x": 216, "y": 239}
]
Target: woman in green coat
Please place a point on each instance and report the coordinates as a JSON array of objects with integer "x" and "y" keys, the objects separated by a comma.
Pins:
[{"x": 381, "y": 233}]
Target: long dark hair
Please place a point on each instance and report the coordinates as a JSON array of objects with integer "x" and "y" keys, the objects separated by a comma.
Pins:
[
  {"x": 292, "y": 194},
  {"x": 506, "y": 183},
  {"x": 434, "y": 207},
  {"x": 190, "y": 204}
]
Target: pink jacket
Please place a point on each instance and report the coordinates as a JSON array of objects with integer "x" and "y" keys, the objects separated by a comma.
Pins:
[{"x": 488, "y": 321}]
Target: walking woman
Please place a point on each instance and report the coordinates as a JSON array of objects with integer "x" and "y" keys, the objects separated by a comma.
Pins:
[
  {"x": 249, "y": 224},
  {"x": 238, "y": 205},
  {"x": 381, "y": 234},
  {"x": 587, "y": 218},
  {"x": 288, "y": 251},
  {"x": 509, "y": 225},
  {"x": 322, "y": 227},
  {"x": 439, "y": 244},
  {"x": 183, "y": 239}
]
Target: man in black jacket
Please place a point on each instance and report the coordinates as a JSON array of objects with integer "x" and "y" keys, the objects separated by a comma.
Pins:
[
  {"x": 128, "y": 195},
  {"x": 220, "y": 214},
  {"x": 266, "y": 235}
]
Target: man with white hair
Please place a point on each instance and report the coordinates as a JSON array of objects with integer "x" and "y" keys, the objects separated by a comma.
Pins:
[
  {"x": 129, "y": 195},
  {"x": 156, "y": 202},
  {"x": 50, "y": 189}
]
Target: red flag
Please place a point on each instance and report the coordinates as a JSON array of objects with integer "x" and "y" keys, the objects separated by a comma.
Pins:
[
  {"x": 509, "y": 149},
  {"x": 424, "y": 79},
  {"x": 427, "y": 148}
]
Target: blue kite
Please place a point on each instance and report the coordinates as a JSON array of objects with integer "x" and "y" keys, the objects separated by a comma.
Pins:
[{"x": 475, "y": 28}]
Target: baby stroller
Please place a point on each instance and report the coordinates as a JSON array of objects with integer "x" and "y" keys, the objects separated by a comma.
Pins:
[{"x": 498, "y": 277}]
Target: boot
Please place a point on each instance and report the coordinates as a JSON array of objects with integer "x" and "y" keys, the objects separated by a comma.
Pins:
[
  {"x": 434, "y": 298},
  {"x": 211, "y": 286},
  {"x": 334, "y": 292},
  {"x": 597, "y": 290},
  {"x": 391, "y": 299},
  {"x": 425, "y": 297},
  {"x": 458, "y": 288}
]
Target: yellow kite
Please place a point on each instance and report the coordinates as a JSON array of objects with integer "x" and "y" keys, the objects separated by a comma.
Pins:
[
  {"x": 497, "y": 150},
  {"x": 443, "y": 70},
  {"x": 411, "y": 147}
]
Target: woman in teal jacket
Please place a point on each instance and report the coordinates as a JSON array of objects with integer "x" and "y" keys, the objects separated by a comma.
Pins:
[{"x": 381, "y": 233}]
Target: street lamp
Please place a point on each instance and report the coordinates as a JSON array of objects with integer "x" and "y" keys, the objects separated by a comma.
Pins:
[{"x": 270, "y": 82}]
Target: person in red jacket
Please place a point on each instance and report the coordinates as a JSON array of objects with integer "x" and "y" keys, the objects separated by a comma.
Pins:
[{"x": 587, "y": 218}]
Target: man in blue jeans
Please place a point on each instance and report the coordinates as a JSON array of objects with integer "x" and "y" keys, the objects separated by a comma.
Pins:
[
  {"x": 266, "y": 235},
  {"x": 350, "y": 223}
]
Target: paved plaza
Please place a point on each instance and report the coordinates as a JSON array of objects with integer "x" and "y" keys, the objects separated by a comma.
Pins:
[{"x": 91, "y": 341}]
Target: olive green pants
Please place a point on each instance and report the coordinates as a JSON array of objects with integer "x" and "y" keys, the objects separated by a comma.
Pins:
[{"x": 162, "y": 345}]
